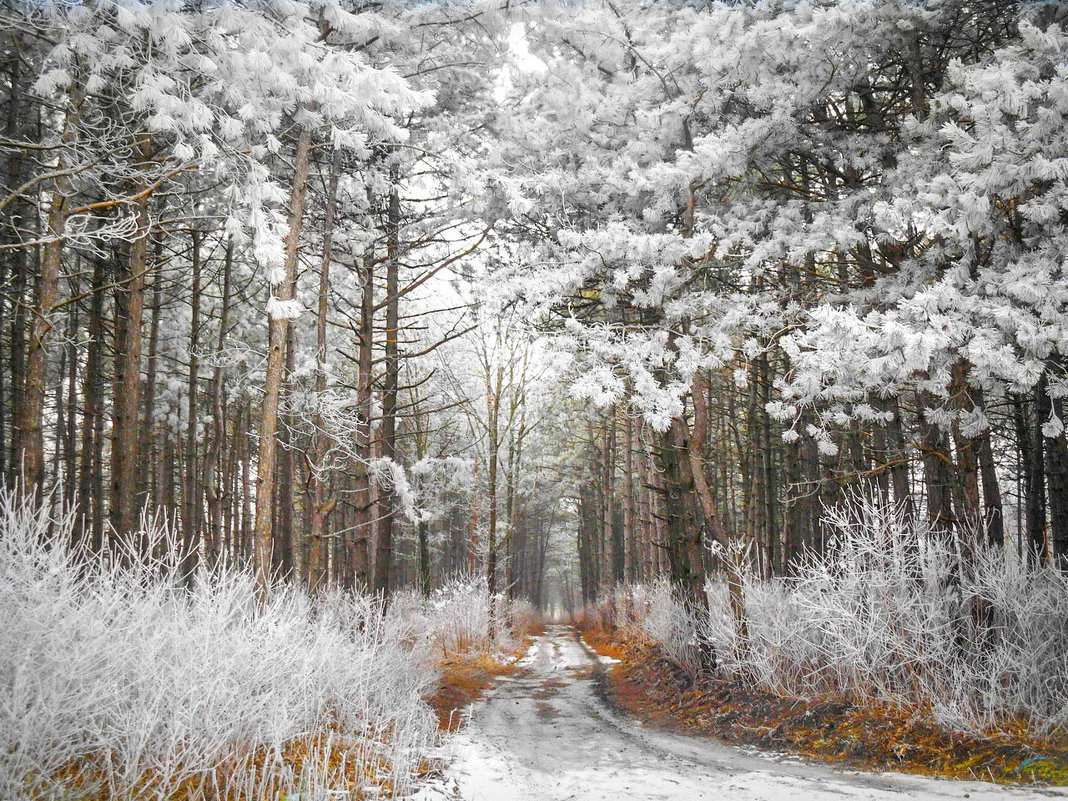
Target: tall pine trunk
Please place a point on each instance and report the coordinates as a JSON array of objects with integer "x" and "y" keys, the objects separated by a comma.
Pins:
[
  {"x": 321, "y": 503},
  {"x": 278, "y": 326},
  {"x": 126, "y": 440},
  {"x": 191, "y": 539},
  {"x": 29, "y": 432},
  {"x": 216, "y": 489},
  {"x": 387, "y": 434}
]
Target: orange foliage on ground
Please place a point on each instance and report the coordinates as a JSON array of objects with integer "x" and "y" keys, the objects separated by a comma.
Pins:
[
  {"x": 464, "y": 678},
  {"x": 351, "y": 765},
  {"x": 466, "y": 675},
  {"x": 656, "y": 691}
]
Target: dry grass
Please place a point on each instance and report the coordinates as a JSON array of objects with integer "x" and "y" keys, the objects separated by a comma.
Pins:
[{"x": 357, "y": 767}]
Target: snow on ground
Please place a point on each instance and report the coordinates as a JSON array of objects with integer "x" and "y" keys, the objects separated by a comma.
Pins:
[{"x": 545, "y": 735}]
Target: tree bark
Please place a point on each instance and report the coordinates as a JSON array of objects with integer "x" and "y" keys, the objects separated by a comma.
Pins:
[
  {"x": 1057, "y": 476},
  {"x": 278, "y": 325},
  {"x": 493, "y": 403},
  {"x": 630, "y": 550},
  {"x": 29, "y": 433},
  {"x": 125, "y": 441},
  {"x": 148, "y": 468},
  {"x": 387, "y": 433},
  {"x": 215, "y": 489},
  {"x": 287, "y": 543},
  {"x": 321, "y": 502},
  {"x": 938, "y": 477},
  {"x": 90, "y": 527},
  {"x": 713, "y": 525},
  {"x": 1036, "y": 486},
  {"x": 359, "y": 545},
  {"x": 191, "y": 539}
]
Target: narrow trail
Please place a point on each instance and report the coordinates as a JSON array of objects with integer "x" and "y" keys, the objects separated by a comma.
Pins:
[{"x": 544, "y": 734}]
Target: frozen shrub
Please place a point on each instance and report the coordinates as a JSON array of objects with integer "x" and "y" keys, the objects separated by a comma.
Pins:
[
  {"x": 455, "y": 619},
  {"x": 897, "y": 615},
  {"x": 652, "y": 613},
  {"x": 523, "y": 618},
  {"x": 891, "y": 614},
  {"x": 115, "y": 681},
  {"x": 457, "y": 616}
]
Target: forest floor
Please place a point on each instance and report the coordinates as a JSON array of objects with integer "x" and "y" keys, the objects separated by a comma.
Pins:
[
  {"x": 467, "y": 675},
  {"x": 550, "y": 729},
  {"x": 649, "y": 687},
  {"x": 464, "y": 679}
]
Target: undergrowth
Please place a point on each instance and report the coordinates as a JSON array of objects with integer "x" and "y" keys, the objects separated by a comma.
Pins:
[
  {"x": 120, "y": 681},
  {"x": 974, "y": 640}
]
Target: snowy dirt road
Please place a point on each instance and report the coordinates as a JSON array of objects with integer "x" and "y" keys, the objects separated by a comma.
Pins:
[{"x": 544, "y": 734}]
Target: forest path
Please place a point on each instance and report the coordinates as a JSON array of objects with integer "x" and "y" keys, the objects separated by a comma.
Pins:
[{"x": 544, "y": 734}]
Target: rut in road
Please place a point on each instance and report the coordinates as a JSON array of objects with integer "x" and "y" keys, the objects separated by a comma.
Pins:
[{"x": 544, "y": 734}]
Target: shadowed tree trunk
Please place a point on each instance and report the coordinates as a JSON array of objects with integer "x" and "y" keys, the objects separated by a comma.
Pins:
[
  {"x": 216, "y": 489},
  {"x": 191, "y": 480},
  {"x": 278, "y": 327},
  {"x": 90, "y": 483},
  {"x": 287, "y": 542},
  {"x": 320, "y": 501},
  {"x": 28, "y": 428},
  {"x": 387, "y": 433},
  {"x": 1057, "y": 476},
  {"x": 125, "y": 440},
  {"x": 1036, "y": 483}
]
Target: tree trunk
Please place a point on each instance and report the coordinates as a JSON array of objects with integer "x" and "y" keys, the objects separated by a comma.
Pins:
[
  {"x": 713, "y": 525},
  {"x": 215, "y": 489},
  {"x": 387, "y": 433},
  {"x": 70, "y": 444},
  {"x": 473, "y": 523},
  {"x": 191, "y": 539},
  {"x": 29, "y": 433},
  {"x": 630, "y": 550},
  {"x": 359, "y": 545},
  {"x": 938, "y": 477},
  {"x": 287, "y": 545},
  {"x": 1057, "y": 476},
  {"x": 147, "y": 469},
  {"x": 90, "y": 527},
  {"x": 966, "y": 468},
  {"x": 321, "y": 502},
  {"x": 684, "y": 536},
  {"x": 1036, "y": 485},
  {"x": 493, "y": 402},
  {"x": 608, "y": 472},
  {"x": 125, "y": 440},
  {"x": 278, "y": 325}
]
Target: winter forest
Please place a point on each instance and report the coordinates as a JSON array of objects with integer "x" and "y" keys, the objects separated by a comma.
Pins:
[{"x": 502, "y": 399}]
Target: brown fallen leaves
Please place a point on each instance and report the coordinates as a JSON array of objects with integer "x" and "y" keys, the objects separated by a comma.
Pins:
[
  {"x": 353, "y": 765},
  {"x": 827, "y": 729},
  {"x": 464, "y": 679}
]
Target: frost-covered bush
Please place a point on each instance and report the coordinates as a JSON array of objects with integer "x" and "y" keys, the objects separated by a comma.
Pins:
[
  {"x": 116, "y": 682},
  {"x": 895, "y": 614},
  {"x": 654, "y": 613},
  {"x": 455, "y": 619},
  {"x": 523, "y": 617},
  {"x": 672, "y": 625},
  {"x": 891, "y": 614}
]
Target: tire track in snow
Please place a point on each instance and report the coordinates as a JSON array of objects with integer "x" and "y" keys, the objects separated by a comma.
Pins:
[{"x": 547, "y": 734}]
